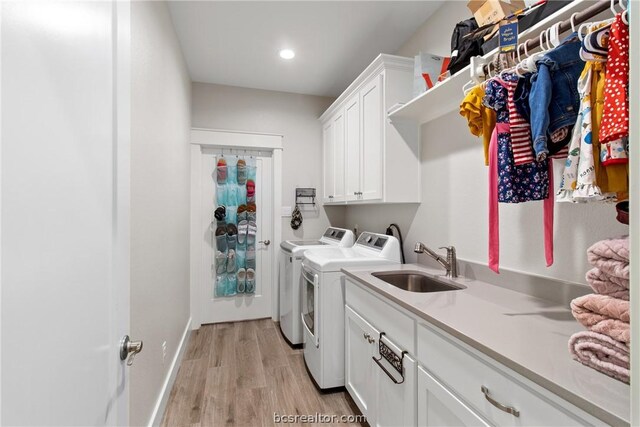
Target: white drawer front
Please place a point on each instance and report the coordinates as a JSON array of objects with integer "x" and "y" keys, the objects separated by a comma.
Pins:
[
  {"x": 383, "y": 316},
  {"x": 465, "y": 373}
]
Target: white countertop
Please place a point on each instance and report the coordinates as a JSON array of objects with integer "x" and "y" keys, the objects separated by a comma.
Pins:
[{"x": 527, "y": 334}]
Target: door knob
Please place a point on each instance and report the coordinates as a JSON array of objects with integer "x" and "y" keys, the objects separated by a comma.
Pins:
[
  {"x": 266, "y": 242},
  {"x": 129, "y": 349}
]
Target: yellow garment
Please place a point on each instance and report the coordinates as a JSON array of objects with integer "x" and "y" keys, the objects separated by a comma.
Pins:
[
  {"x": 481, "y": 119},
  {"x": 613, "y": 178}
]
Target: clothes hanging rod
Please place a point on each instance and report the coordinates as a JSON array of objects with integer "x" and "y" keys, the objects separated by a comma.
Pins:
[
  {"x": 565, "y": 25},
  {"x": 579, "y": 18}
]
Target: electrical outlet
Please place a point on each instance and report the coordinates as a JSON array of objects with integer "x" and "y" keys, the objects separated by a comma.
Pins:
[{"x": 164, "y": 351}]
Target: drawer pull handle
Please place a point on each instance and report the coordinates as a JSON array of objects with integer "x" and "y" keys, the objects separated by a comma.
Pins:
[{"x": 508, "y": 409}]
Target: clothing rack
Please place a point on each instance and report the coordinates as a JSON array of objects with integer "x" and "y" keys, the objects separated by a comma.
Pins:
[
  {"x": 567, "y": 24},
  {"x": 564, "y": 26}
]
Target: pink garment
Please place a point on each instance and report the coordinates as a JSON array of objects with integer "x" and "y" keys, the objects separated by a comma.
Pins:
[
  {"x": 601, "y": 353},
  {"x": 494, "y": 211},
  {"x": 604, "y": 284},
  {"x": 603, "y": 314},
  {"x": 611, "y": 256}
]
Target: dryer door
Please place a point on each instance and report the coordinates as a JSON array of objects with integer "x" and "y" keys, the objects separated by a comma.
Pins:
[{"x": 309, "y": 282}]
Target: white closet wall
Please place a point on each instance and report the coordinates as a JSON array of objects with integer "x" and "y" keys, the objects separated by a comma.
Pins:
[{"x": 160, "y": 190}]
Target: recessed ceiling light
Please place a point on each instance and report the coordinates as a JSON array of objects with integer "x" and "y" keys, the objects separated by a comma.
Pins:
[{"x": 287, "y": 54}]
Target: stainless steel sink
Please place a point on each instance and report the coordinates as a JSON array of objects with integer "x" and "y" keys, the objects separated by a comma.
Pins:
[{"x": 416, "y": 281}]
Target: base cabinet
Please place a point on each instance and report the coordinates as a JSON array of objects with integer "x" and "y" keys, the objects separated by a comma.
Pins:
[
  {"x": 437, "y": 406},
  {"x": 395, "y": 403},
  {"x": 384, "y": 397},
  {"x": 359, "y": 347},
  {"x": 446, "y": 382}
]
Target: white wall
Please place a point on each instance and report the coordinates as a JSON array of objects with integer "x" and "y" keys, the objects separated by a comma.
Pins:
[
  {"x": 454, "y": 195},
  {"x": 160, "y": 180},
  {"x": 292, "y": 115}
]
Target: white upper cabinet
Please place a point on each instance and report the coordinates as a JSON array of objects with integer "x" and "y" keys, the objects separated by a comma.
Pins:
[
  {"x": 327, "y": 152},
  {"x": 368, "y": 159},
  {"x": 353, "y": 147},
  {"x": 371, "y": 141},
  {"x": 338, "y": 158}
]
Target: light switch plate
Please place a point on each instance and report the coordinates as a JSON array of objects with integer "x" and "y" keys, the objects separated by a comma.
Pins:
[{"x": 285, "y": 211}]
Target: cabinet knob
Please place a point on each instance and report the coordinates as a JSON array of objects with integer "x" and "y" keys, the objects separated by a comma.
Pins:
[{"x": 368, "y": 338}]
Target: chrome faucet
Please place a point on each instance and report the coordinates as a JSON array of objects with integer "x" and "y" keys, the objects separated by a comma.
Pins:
[{"x": 450, "y": 263}]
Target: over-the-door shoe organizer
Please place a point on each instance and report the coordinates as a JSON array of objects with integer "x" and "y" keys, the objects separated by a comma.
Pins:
[{"x": 234, "y": 226}]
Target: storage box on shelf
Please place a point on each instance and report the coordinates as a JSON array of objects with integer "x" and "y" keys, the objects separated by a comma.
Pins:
[
  {"x": 366, "y": 159},
  {"x": 491, "y": 11},
  {"x": 445, "y": 97}
]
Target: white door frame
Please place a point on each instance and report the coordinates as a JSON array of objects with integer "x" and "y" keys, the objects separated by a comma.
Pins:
[{"x": 220, "y": 138}]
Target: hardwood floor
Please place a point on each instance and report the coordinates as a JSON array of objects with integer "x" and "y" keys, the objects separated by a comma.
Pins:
[{"x": 240, "y": 374}]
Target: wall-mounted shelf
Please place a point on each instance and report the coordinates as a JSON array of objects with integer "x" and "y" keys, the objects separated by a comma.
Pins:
[
  {"x": 305, "y": 196},
  {"x": 446, "y": 96}
]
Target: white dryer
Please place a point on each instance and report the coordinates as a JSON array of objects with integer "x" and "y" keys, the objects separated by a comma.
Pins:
[
  {"x": 323, "y": 301},
  {"x": 290, "y": 259}
]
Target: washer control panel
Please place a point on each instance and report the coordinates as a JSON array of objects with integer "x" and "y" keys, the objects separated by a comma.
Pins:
[
  {"x": 334, "y": 233},
  {"x": 372, "y": 240}
]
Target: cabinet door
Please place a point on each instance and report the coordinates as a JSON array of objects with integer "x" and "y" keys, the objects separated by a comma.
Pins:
[
  {"x": 359, "y": 339},
  {"x": 395, "y": 403},
  {"x": 371, "y": 161},
  {"x": 328, "y": 162},
  {"x": 352, "y": 142},
  {"x": 338, "y": 158},
  {"x": 437, "y": 406}
]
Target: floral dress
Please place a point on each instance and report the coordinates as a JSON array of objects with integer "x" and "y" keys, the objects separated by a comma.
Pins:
[{"x": 516, "y": 183}]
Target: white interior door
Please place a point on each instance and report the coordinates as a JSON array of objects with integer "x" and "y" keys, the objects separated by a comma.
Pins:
[
  {"x": 241, "y": 306},
  {"x": 65, "y": 145}
]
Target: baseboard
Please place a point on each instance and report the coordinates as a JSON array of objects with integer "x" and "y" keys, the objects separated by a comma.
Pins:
[{"x": 163, "y": 398}]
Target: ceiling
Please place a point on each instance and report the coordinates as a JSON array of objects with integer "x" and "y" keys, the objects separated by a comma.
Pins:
[{"x": 236, "y": 43}]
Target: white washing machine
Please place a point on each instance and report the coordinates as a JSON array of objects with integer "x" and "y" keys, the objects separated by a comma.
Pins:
[
  {"x": 323, "y": 301},
  {"x": 291, "y": 252}
]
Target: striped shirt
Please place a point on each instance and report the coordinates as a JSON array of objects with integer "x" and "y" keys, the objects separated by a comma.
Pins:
[{"x": 521, "y": 143}]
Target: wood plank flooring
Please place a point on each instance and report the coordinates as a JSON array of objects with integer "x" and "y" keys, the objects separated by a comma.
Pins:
[{"x": 239, "y": 374}]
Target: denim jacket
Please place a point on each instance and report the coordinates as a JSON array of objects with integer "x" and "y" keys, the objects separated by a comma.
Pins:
[
  {"x": 554, "y": 100},
  {"x": 521, "y": 96}
]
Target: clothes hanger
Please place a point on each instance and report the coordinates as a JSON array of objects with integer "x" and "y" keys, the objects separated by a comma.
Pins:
[
  {"x": 573, "y": 24},
  {"x": 547, "y": 39},
  {"x": 625, "y": 11},
  {"x": 521, "y": 68},
  {"x": 530, "y": 60},
  {"x": 468, "y": 87},
  {"x": 613, "y": 7},
  {"x": 555, "y": 35}
]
